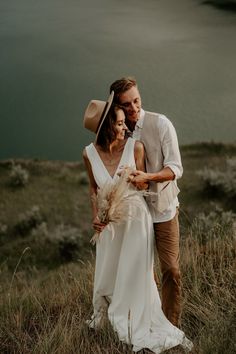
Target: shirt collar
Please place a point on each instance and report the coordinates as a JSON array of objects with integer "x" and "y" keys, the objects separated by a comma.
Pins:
[{"x": 141, "y": 119}]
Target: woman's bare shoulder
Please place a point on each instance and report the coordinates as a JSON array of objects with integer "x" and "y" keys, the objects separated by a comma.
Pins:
[{"x": 85, "y": 156}]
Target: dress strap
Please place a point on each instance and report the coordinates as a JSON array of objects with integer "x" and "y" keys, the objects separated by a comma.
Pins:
[
  {"x": 99, "y": 173},
  {"x": 128, "y": 158}
]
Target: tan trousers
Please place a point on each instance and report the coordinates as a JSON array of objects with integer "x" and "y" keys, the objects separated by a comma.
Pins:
[{"x": 167, "y": 243}]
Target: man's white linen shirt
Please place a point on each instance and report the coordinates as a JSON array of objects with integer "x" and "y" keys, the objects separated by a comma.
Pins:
[{"x": 172, "y": 158}]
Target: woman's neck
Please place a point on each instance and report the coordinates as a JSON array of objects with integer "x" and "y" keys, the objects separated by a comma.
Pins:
[
  {"x": 115, "y": 146},
  {"x": 111, "y": 156}
]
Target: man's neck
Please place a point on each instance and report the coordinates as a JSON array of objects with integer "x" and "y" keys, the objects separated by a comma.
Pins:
[{"x": 131, "y": 125}]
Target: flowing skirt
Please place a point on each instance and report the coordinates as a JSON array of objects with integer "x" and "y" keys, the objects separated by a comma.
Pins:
[{"x": 124, "y": 285}]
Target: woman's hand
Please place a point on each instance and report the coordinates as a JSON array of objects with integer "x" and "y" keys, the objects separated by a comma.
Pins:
[{"x": 98, "y": 225}]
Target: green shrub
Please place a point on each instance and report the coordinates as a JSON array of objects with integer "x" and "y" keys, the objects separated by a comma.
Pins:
[
  {"x": 83, "y": 178},
  {"x": 214, "y": 225},
  {"x": 19, "y": 177},
  {"x": 28, "y": 221},
  {"x": 70, "y": 242},
  {"x": 220, "y": 181},
  {"x": 40, "y": 230},
  {"x": 3, "y": 232},
  {"x": 3, "y": 229}
]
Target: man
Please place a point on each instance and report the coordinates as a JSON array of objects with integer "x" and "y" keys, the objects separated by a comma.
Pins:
[{"x": 164, "y": 167}]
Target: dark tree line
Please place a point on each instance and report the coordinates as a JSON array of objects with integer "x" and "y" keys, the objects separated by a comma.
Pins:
[{"x": 227, "y": 5}]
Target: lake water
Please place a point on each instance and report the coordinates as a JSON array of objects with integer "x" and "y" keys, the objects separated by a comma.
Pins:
[{"x": 56, "y": 55}]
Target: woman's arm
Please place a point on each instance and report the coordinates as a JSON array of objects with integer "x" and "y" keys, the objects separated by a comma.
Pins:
[
  {"x": 97, "y": 225},
  {"x": 139, "y": 155},
  {"x": 92, "y": 183}
]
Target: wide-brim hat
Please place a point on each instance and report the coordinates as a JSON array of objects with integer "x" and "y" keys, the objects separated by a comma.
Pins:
[{"x": 96, "y": 113}]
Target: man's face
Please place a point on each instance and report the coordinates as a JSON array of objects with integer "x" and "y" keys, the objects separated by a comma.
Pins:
[{"x": 130, "y": 101}]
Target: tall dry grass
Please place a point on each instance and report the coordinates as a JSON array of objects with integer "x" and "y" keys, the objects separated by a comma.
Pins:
[
  {"x": 209, "y": 276},
  {"x": 45, "y": 313}
]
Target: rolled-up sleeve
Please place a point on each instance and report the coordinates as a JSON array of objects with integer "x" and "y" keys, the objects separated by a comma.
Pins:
[{"x": 170, "y": 146}]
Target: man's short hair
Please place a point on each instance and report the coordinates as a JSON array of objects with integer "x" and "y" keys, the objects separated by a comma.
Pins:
[{"x": 122, "y": 85}]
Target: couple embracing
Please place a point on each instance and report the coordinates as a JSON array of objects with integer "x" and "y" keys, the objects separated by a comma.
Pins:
[{"x": 124, "y": 286}]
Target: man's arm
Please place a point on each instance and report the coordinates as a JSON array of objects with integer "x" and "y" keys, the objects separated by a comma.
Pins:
[
  {"x": 172, "y": 165},
  {"x": 170, "y": 148},
  {"x": 142, "y": 178}
]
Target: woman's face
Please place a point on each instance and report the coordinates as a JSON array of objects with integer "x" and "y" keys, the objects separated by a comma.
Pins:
[{"x": 120, "y": 126}]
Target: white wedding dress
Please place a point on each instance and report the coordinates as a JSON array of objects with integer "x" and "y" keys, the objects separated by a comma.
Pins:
[{"x": 124, "y": 283}]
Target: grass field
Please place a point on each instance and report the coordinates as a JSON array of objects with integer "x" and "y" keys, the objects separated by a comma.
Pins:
[{"x": 47, "y": 262}]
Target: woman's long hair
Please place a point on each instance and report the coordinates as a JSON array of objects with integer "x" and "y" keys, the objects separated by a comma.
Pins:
[{"x": 108, "y": 132}]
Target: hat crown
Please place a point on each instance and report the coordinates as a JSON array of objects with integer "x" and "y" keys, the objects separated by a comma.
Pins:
[
  {"x": 93, "y": 114},
  {"x": 96, "y": 113}
]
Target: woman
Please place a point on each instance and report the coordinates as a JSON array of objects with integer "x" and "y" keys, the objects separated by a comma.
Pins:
[{"x": 124, "y": 285}]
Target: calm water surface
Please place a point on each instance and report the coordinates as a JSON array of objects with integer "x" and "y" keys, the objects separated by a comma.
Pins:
[{"x": 56, "y": 55}]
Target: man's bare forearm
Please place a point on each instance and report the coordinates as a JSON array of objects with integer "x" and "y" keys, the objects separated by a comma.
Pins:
[
  {"x": 166, "y": 174},
  {"x": 140, "y": 177}
]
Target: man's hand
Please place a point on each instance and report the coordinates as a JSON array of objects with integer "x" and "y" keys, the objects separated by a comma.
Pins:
[
  {"x": 136, "y": 177},
  {"x": 139, "y": 179}
]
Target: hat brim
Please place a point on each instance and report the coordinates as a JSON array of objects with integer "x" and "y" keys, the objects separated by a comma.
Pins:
[{"x": 106, "y": 109}]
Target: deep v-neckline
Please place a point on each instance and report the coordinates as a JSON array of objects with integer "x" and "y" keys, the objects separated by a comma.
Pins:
[{"x": 102, "y": 163}]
